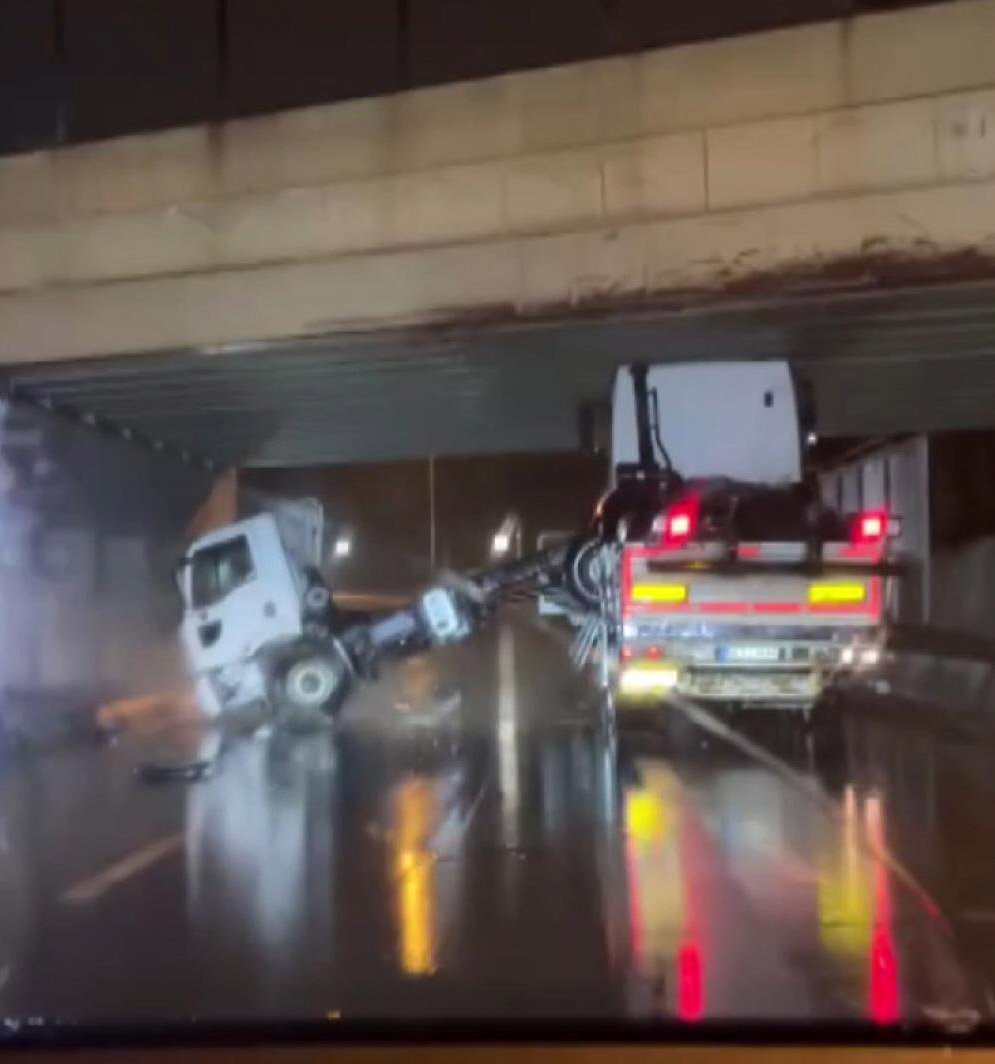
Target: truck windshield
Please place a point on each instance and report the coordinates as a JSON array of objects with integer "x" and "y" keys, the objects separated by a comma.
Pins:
[{"x": 217, "y": 570}]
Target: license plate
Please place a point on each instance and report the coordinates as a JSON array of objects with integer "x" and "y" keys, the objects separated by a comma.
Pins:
[{"x": 749, "y": 653}]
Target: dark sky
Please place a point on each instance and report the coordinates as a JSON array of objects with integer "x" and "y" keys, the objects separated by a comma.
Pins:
[{"x": 387, "y": 505}]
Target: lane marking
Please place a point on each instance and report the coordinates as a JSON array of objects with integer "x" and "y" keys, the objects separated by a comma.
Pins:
[
  {"x": 507, "y": 732},
  {"x": 90, "y": 889}
]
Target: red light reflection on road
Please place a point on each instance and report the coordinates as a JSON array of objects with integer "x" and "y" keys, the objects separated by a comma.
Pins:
[
  {"x": 690, "y": 956},
  {"x": 883, "y": 998},
  {"x": 635, "y": 908},
  {"x": 690, "y": 989},
  {"x": 663, "y": 859}
]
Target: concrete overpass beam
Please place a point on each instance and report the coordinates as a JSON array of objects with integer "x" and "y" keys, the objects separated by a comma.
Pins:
[{"x": 633, "y": 177}]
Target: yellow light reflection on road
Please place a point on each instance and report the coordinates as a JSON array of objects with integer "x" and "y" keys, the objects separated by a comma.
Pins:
[
  {"x": 656, "y": 904},
  {"x": 415, "y": 812},
  {"x": 844, "y": 894},
  {"x": 647, "y": 819}
]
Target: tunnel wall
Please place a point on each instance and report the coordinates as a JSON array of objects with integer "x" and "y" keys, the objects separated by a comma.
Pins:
[
  {"x": 962, "y": 518},
  {"x": 386, "y": 507},
  {"x": 90, "y": 526},
  {"x": 941, "y": 487},
  {"x": 895, "y": 477}
]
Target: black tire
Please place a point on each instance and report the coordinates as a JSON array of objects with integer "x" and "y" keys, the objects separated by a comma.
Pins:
[
  {"x": 580, "y": 572},
  {"x": 309, "y": 682}
]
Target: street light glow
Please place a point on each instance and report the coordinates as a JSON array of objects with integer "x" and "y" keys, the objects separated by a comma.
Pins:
[
  {"x": 500, "y": 543},
  {"x": 343, "y": 547}
]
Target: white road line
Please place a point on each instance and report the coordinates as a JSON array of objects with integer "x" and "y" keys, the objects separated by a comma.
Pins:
[
  {"x": 89, "y": 890},
  {"x": 507, "y": 733}
]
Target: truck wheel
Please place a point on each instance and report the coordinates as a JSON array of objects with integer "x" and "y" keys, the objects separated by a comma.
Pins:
[{"x": 308, "y": 683}]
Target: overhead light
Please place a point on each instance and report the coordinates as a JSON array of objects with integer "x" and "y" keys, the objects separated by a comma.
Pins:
[
  {"x": 811, "y": 439},
  {"x": 343, "y": 547},
  {"x": 500, "y": 543}
]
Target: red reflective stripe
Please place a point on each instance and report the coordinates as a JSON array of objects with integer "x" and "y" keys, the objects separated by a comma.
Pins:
[
  {"x": 872, "y": 607},
  {"x": 748, "y": 552},
  {"x": 862, "y": 551},
  {"x": 628, "y": 554},
  {"x": 658, "y": 607}
]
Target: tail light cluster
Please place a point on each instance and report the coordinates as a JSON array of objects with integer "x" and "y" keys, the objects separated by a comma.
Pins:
[
  {"x": 679, "y": 523},
  {"x": 869, "y": 528}
]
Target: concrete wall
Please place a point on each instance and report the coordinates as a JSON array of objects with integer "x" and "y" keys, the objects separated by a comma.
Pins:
[
  {"x": 386, "y": 508},
  {"x": 952, "y": 587},
  {"x": 608, "y": 180}
]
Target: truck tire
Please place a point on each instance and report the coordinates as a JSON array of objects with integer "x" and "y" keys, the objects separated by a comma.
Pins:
[
  {"x": 309, "y": 683},
  {"x": 580, "y": 572}
]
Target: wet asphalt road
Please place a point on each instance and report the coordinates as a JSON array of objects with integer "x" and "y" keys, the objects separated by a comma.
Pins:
[{"x": 500, "y": 856}]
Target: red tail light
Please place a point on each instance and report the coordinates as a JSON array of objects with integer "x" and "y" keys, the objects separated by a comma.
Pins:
[
  {"x": 870, "y": 528},
  {"x": 680, "y": 522}
]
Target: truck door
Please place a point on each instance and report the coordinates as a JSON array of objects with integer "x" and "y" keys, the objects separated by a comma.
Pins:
[{"x": 240, "y": 594}]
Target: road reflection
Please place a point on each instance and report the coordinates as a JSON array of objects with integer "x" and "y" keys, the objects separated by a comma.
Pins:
[
  {"x": 415, "y": 815},
  {"x": 380, "y": 862},
  {"x": 745, "y": 898}
]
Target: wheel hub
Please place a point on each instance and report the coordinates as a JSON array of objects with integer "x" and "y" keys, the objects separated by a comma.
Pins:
[{"x": 311, "y": 682}]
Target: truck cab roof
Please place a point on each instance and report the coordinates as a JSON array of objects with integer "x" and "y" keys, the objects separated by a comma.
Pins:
[{"x": 737, "y": 420}]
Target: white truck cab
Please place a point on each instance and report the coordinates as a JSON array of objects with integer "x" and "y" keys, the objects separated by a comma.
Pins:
[
  {"x": 240, "y": 592},
  {"x": 252, "y": 595}
]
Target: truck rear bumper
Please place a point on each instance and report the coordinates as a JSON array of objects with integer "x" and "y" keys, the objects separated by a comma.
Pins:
[
  {"x": 783, "y": 689},
  {"x": 761, "y": 687}
]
